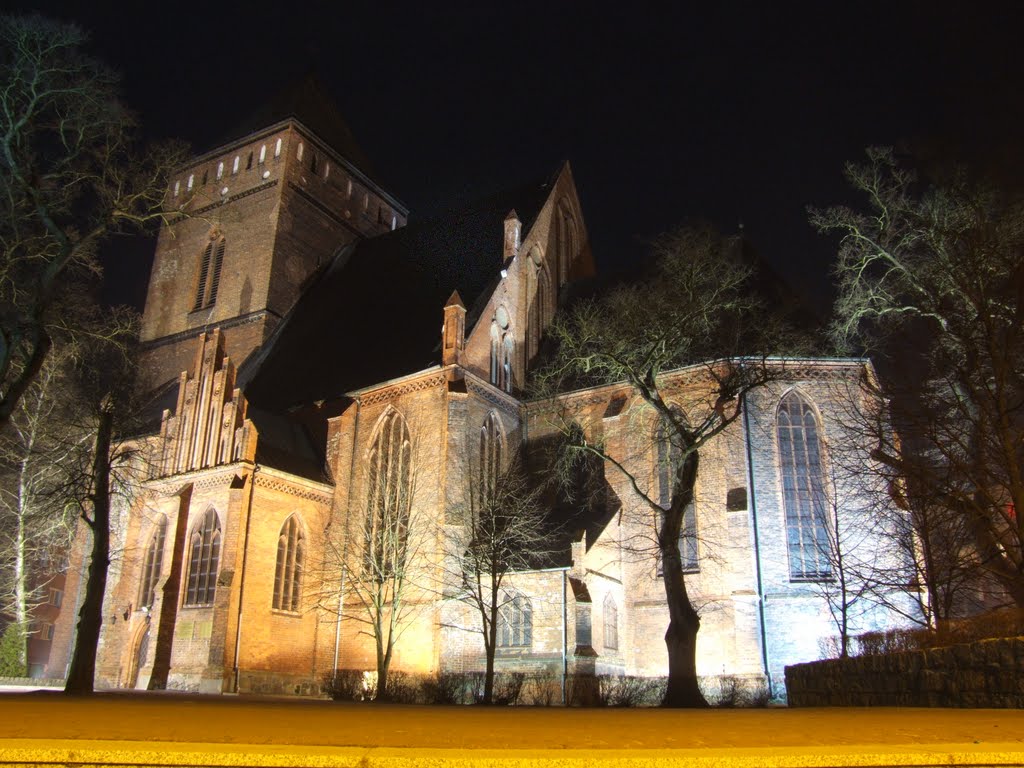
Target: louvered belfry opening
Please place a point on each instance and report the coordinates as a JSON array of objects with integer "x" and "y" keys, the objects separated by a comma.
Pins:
[{"x": 209, "y": 274}]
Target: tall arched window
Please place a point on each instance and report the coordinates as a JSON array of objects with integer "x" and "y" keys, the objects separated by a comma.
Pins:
[
  {"x": 290, "y": 562},
  {"x": 803, "y": 489},
  {"x": 611, "y": 624},
  {"x": 540, "y": 309},
  {"x": 204, "y": 549},
  {"x": 565, "y": 242},
  {"x": 388, "y": 497},
  {"x": 508, "y": 350},
  {"x": 571, "y": 243},
  {"x": 490, "y": 457},
  {"x": 669, "y": 457},
  {"x": 209, "y": 274},
  {"x": 495, "y": 353},
  {"x": 153, "y": 564},
  {"x": 515, "y": 621}
]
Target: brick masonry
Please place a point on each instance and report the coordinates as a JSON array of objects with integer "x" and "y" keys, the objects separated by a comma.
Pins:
[
  {"x": 755, "y": 619},
  {"x": 988, "y": 673}
]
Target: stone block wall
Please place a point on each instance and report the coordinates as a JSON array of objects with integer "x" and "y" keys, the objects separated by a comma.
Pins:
[{"x": 988, "y": 673}]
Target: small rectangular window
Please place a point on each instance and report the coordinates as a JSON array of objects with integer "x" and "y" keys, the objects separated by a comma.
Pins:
[
  {"x": 248, "y": 163},
  {"x": 191, "y": 179},
  {"x": 263, "y": 153},
  {"x": 220, "y": 171},
  {"x": 348, "y": 188},
  {"x": 177, "y": 188},
  {"x": 736, "y": 499},
  {"x": 234, "y": 165},
  {"x": 327, "y": 169},
  {"x": 394, "y": 223},
  {"x": 277, "y": 149},
  {"x": 584, "y": 635},
  {"x": 56, "y": 597},
  {"x": 298, "y": 152}
]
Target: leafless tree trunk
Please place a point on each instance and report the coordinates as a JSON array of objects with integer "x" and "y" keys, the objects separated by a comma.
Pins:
[
  {"x": 933, "y": 272},
  {"x": 697, "y": 309},
  {"x": 82, "y": 672},
  {"x": 500, "y": 531},
  {"x": 36, "y": 450},
  {"x": 380, "y": 548}
]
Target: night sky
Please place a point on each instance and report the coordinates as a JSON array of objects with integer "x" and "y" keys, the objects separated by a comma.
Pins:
[{"x": 741, "y": 113}]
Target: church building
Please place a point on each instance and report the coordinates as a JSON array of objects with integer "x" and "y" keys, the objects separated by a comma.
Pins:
[{"x": 319, "y": 357}]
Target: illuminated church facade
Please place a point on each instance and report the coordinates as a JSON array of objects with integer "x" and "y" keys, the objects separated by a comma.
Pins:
[{"x": 316, "y": 355}]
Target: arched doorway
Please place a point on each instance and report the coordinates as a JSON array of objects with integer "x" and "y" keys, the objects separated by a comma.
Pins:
[{"x": 140, "y": 655}]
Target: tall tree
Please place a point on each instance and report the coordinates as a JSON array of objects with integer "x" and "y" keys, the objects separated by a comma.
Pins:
[
  {"x": 70, "y": 176},
  {"x": 698, "y": 308},
  {"x": 36, "y": 514},
  {"x": 931, "y": 278},
  {"x": 500, "y": 530},
  {"x": 96, "y": 515},
  {"x": 380, "y": 546},
  {"x": 103, "y": 472}
]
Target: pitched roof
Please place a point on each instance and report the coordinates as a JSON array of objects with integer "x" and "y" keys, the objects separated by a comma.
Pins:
[
  {"x": 375, "y": 313},
  {"x": 307, "y": 101}
]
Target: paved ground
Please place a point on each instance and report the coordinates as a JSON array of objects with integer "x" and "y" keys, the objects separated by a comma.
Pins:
[{"x": 169, "y": 729}]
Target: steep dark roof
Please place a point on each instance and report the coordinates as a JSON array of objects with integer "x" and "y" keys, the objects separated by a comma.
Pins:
[
  {"x": 307, "y": 101},
  {"x": 375, "y": 313},
  {"x": 287, "y": 445}
]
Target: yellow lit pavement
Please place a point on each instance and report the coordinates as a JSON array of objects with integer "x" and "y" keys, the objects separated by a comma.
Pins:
[{"x": 177, "y": 730}]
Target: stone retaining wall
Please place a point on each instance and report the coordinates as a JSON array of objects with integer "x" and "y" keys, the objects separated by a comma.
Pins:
[
  {"x": 32, "y": 682},
  {"x": 989, "y": 673}
]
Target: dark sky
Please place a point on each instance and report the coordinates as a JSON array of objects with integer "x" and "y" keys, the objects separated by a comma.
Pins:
[{"x": 731, "y": 112}]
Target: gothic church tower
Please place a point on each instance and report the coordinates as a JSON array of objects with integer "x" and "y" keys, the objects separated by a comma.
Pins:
[{"x": 258, "y": 217}]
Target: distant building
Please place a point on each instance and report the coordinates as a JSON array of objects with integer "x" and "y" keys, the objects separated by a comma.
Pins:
[{"x": 310, "y": 348}]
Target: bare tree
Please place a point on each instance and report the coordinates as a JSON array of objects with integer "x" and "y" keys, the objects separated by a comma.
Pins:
[
  {"x": 41, "y": 441},
  {"x": 69, "y": 177},
  {"x": 930, "y": 278},
  {"x": 859, "y": 573},
  {"x": 934, "y": 560},
  {"x": 697, "y": 309},
  {"x": 499, "y": 530},
  {"x": 96, "y": 514},
  {"x": 381, "y": 547}
]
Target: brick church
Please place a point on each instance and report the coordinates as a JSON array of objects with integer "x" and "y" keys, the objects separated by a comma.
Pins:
[{"x": 316, "y": 355}]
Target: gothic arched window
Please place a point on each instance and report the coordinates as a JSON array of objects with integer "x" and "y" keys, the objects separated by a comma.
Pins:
[
  {"x": 153, "y": 564},
  {"x": 204, "y": 553},
  {"x": 388, "y": 499},
  {"x": 290, "y": 561},
  {"x": 490, "y": 457},
  {"x": 515, "y": 621},
  {"x": 668, "y": 459},
  {"x": 611, "y": 624},
  {"x": 803, "y": 488},
  {"x": 495, "y": 353},
  {"x": 508, "y": 349},
  {"x": 565, "y": 243},
  {"x": 209, "y": 274}
]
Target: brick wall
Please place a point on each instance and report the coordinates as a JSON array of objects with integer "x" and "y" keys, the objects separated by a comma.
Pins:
[
  {"x": 281, "y": 221},
  {"x": 989, "y": 673}
]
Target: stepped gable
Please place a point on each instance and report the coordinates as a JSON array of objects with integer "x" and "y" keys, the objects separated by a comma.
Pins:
[
  {"x": 374, "y": 313},
  {"x": 206, "y": 427}
]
